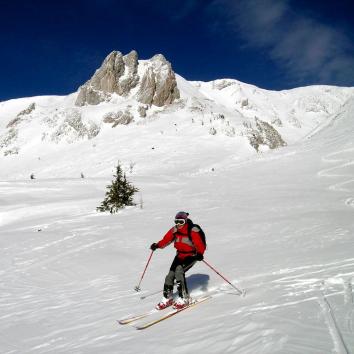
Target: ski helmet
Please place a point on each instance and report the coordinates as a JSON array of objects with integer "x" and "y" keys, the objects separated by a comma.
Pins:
[{"x": 182, "y": 215}]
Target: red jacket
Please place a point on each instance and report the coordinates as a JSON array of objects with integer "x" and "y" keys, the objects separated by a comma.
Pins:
[{"x": 184, "y": 245}]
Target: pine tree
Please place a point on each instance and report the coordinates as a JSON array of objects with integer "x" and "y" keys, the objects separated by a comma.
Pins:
[{"x": 119, "y": 194}]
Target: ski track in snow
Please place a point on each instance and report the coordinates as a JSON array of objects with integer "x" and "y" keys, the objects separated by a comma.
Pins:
[
  {"x": 344, "y": 168},
  {"x": 340, "y": 346},
  {"x": 296, "y": 287}
]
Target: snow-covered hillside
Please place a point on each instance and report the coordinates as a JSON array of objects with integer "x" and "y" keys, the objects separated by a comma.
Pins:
[
  {"x": 51, "y": 136},
  {"x": 279, "y": 222}
]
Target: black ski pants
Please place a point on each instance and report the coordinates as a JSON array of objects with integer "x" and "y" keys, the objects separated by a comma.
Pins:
[{"x": 177, "y": 271}]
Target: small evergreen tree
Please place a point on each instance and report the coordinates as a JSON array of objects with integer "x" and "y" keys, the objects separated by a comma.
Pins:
[{"x": 119, "y": 194}]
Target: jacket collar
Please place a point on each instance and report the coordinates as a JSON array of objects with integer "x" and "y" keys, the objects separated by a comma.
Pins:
[{"x": 182, "y": 230}]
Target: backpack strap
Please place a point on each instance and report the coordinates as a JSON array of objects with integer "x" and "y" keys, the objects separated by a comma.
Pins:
[{"x": 191, "y": 227}]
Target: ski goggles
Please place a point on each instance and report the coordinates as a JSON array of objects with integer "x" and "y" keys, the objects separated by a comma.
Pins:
[{"x": 180, "y": 221}]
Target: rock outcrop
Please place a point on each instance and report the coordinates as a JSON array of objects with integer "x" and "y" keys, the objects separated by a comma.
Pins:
[
  {"x": 119, "y": 74},
  {"x": 118, "y": 118},
  {"x": 72, "y": 128},
  {"x": 158, "y": 85},
  {"x": 264, "y": 134},
  {"x": 142, "y": 110},
  {"x": 21, "y": 115}
]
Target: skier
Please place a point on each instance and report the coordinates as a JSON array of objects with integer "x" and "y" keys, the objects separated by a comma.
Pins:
[{"x": 190, "y": 249}]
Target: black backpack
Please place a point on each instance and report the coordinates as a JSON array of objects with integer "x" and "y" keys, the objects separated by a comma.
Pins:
[{"x": 200, "y": 231}]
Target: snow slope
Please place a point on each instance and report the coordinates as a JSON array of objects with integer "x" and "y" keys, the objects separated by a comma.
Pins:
[
  {"x": 57, "y": 139},
  {"x": 278, "y": 223}
]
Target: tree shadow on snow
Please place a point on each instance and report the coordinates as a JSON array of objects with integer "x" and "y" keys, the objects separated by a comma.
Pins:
[{"x": 198, "y": 282}]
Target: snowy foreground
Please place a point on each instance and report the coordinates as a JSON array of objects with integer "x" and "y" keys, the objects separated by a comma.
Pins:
[{"x": 279, "y": 225}]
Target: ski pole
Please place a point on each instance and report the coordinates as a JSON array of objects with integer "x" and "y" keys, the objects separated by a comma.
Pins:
[
  {"x": 137, "y": 288},
  {"x": 238, "y": 290}
]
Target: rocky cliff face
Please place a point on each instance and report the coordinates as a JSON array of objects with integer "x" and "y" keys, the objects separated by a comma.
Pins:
[{"x": 156, "y": 84}]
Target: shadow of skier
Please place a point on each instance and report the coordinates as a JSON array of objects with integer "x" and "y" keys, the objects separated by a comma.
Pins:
[{"x": 198, "y": 282}]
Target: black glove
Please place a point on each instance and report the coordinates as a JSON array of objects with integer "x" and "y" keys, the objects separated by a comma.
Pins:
[
  {"x": 199, "y": 257},
  {"x": 154, "y": 246}
]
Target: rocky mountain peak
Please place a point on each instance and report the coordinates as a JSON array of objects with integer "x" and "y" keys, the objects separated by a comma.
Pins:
[
  {"x": 119, "y": 74},
  {"x": 159, "y": 58}
]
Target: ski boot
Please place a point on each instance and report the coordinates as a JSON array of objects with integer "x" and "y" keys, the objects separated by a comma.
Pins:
[
  {"x": 167, "y": 299},
  {"x": 181, "y": 302},
  {"x": 165, "y": 302}
]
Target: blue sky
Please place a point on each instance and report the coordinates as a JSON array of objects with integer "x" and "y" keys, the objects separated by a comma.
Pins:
[{"x": 52, "y": 47}]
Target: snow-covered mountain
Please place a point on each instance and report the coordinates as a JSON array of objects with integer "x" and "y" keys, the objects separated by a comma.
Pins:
[
  {"x": 130, "y": 107},
  {"x": 274, "y": 194}
]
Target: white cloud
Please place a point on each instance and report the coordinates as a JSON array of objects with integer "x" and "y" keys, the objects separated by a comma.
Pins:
[{"x": 306, "y": 48}]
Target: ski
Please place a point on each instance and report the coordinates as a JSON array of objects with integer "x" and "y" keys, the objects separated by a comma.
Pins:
[
  {"x": 172, "y": 313},
  {"x": 134, "y": 318}
]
